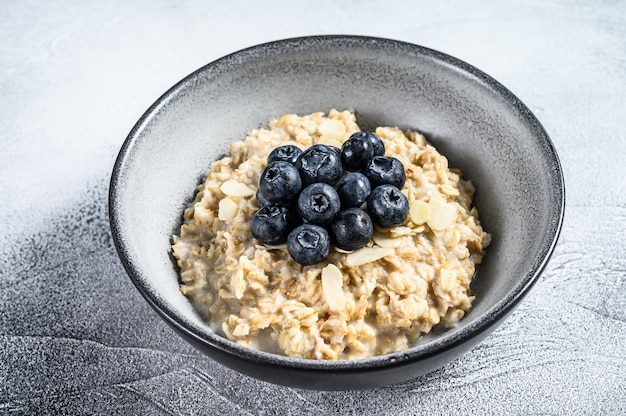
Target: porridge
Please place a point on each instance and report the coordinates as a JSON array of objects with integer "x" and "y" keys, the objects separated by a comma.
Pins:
[{"x": 353, "y": 303}]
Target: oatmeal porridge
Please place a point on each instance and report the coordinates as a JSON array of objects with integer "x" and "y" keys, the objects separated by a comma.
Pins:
[{"x": 377, "y": 299}]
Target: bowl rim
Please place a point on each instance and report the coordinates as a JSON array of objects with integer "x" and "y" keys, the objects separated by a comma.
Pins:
[{"x": 480, "y": 325}]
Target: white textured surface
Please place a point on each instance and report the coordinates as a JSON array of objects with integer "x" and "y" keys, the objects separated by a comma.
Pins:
[{"x": 75, "y": 335}]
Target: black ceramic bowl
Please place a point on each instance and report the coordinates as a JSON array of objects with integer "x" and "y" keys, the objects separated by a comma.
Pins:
[{"x": 477, "y": 123}]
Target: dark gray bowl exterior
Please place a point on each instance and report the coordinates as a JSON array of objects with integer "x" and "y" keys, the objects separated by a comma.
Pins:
[{"x": 480, "y": 125}]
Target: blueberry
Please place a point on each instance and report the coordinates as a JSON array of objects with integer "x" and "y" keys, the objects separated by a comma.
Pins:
[
  {"x": 356, "y": 152},
  {"x": 308, "y": 244},
  {"x": 387, "y": 206},
  {"x": 271, "y": 224},
  {"x": 385, "y": 170},
  {"x": 261, "y": 200},
  {"x": 337, "y": 150},
  {"x": 280, "y": 182},
  {"x": 319, "y": 163},
  {"x": 377, "y": 144},
  {"x": 287, "y": 153},
  {"x": 318, "y": 203},
  {"x": 351, "y": 229},
  {"x": 353, "y": 189}
]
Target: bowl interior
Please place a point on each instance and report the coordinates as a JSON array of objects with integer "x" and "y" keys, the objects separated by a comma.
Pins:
[{"x": 479, "y": 125}]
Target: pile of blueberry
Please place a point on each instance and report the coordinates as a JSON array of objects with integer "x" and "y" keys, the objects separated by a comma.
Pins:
[{"x": 307, "y": 199}]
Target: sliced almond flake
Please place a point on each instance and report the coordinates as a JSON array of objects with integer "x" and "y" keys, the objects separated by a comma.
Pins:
[
  {"x": 400, "y": 231},
  {"x": 276, "y": 247},
  {"x": 419, "y": 229},
  {"x": 227, "y": 209},
  {"x": 346, "y": 136},
  {"x": 235, "y": 188},
  {"x": 331, "y": 126},
  {"x": 419, "y": 212},
  {"x": 367, "y": 255},
  {"x": 411, "y": 188},
  {"x": 449, "y": 190},
  {"x": 340, "y": 250},
  {"x": 330, "y": 140},
  {"x": 381, "y": 229},
  {"x": 332, "y": 282},
  {"x": 442, "y": 214},
  {"x": 386, "y": 240}
]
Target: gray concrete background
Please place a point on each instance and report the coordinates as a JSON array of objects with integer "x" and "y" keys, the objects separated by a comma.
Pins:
[{"x": 77, "y": 338}]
